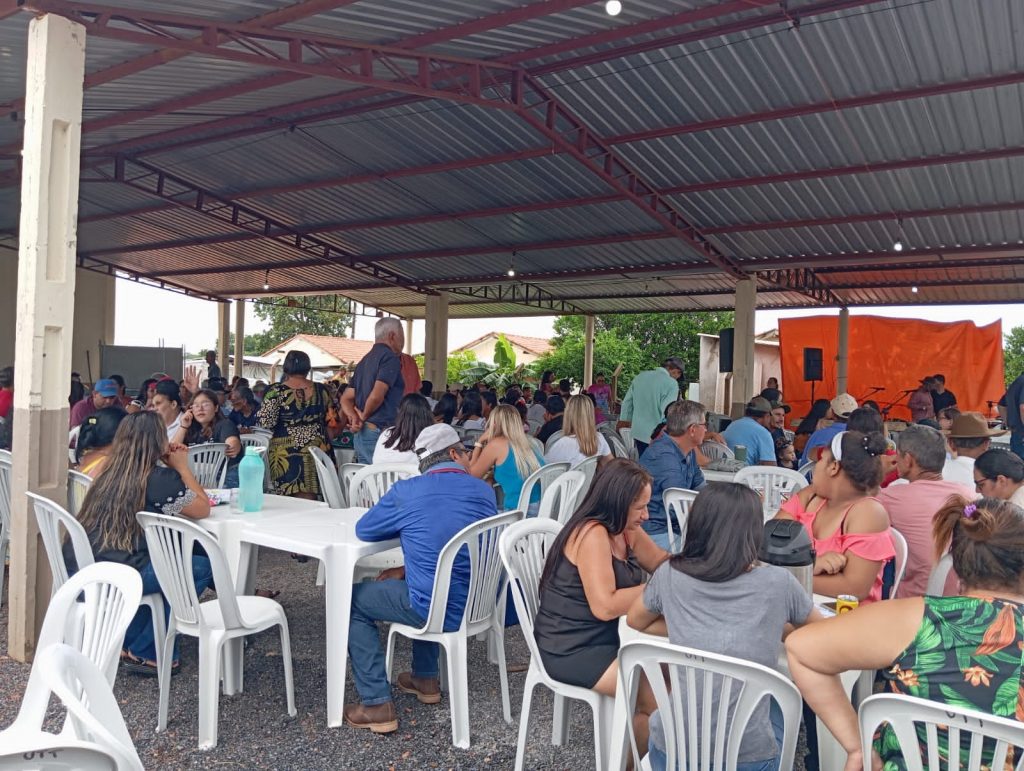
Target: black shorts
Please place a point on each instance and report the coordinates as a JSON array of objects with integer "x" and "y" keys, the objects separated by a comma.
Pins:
[{"x": 583, "y": 668}]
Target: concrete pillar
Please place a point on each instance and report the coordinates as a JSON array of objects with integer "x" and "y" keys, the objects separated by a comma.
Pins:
[
  {"x": 408, "y": 336},
  {"x": 588, "y": 351},
  {"x": 435, "y": 362},
  {"x": 843, "y": 356},
  {"x": 46, "y": 303},
  {"x": 743, "y": 385},
  {"x": 239, "y": 338},
  {"x": 95, "y": 296},
  {"x": 223, "y": 338}
]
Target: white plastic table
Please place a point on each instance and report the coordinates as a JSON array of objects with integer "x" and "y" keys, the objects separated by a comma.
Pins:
[
  {"x": 300, "y": 527},
  {"x": 718, "y": 476}
]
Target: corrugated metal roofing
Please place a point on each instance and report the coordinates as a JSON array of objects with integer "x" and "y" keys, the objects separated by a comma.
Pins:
[{"x": 308, "y": 153}]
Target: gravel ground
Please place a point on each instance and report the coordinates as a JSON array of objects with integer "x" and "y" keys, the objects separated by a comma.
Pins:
[{"x": 254, "y": 731}]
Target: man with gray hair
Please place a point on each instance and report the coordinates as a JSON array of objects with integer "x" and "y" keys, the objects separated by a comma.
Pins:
[
  {"x": 920, "y": 456},
  {"x": 649, "y": 394},
  {"x": 671, "y": 460},
  {"x": 371, "y": 401}
]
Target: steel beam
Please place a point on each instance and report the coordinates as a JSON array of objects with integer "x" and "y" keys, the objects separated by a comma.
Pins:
[
  {"x": 802, "y": 280},
  {"x": 110, "y": 269}
]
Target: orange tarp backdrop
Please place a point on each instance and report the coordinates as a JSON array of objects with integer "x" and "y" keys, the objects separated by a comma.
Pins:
[{"x": 894, "y": 354}]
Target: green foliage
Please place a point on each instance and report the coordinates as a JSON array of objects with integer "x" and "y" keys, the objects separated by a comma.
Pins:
[
  {"x": 638, "y": 341},
  {"x": 504, "y": 355},
  {"x": 1013, "y": 354},
  {"x": 287, "y": 321},
  {"x": 457, "y": 364}
]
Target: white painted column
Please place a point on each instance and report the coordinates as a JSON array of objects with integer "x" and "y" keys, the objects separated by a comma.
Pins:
[
  {"x": 843, "y": 355},
  {"x": 239, "y": 337},
  {"x": 743, "y": 386},
  {"x": 408, "y": 336},
  {"x": 588, "y": 351},
  {"x": 224, "y": 338},
  {"x": 46, "y": 306},
  {"x": 435, "y": 364}
]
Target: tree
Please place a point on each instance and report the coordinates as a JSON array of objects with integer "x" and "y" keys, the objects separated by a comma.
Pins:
[
  {"x": 1013, "y": 354},
  {"x": 305, "y": 317}
]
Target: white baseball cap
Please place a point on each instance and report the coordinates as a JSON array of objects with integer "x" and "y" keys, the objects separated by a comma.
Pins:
[{"x": 436, "y": 438}]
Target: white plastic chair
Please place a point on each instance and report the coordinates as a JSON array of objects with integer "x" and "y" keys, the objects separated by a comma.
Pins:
[
  {"x": 536, "y": 444},
  {"x": 78, "y": 486},
  {"x": 255, "y": 439},
  {"x": 937, "y": 578},
  {"x": 899, "y": 545},
  {"x": 693, "y": 735},
  {"x": 327, "y": 475},
  {"x": 559, "y": 501},
  {"x": 209, "y": 463},
  {"x": 774, "y": 481},
  {"x": 524, "y": 548},
  {"x": 103, "y": 743},
  {"x": 912, "y": 719},
  {"x": 259, "y": 430},
  {"x": 806, "y": 470},
  {"x": 171, "y": 542},
  {"x": 73, "y": 444},
  {"x": 346, "y": 472},
  {"x": 716, "y": 451},
  {"x": 551, "y": 440},
  {"x": 369, "y": 483},
  {"x": 5, "y": 512},
  {"x": 470, "y": 435},
  {"x": 626, "y": 432},
  {"x": 677, "y": 502},
  {"x": 51, "y": 518},
  {"x": 487, "y": 581},
  {"x": 589, "y": 468},
  {"x": 543, "y": 476}
]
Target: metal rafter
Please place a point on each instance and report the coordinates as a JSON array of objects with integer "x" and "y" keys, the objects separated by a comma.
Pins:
[{"x": 802, "y": 280}]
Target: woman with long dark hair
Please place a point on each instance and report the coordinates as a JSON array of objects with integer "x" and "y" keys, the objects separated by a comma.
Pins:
[
  {"x": 471, "y": 412},
  {"x": 203, "y": 422},
  {"x": 716, "y": 597},
  {"x": 96, "y": 438},
  {"x": 395, "y": 444},
  {"x": 593, "y": 574},
  {"x": 810, "y": 424},
  {"x": 142, "y": 473},
  {"x": 446, "y": 409}
]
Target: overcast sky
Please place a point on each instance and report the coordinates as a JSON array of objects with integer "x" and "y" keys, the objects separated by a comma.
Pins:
[{"x": 176, "y": 320}]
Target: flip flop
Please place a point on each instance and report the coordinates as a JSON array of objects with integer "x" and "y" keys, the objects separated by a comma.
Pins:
[
  {"x": 133, "y": 664},
  {"x": 270, "y": 594}
]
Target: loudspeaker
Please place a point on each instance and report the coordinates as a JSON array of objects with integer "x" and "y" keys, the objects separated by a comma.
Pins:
[
  {"x": 725, "y": 341},
  {"x": 812, "y": 363}
]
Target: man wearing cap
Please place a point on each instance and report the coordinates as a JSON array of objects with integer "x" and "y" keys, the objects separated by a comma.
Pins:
[
  {"x": 968, "y": 437},
  {"x": 104, "y": 394},
  {"x": 921, "y": 405},
  {"x": 779, "y": 413},
  {"x": 920, "y": 455},
  {"x": 839, "y": 410},
  {"x": 643, "y": 407},
  {"x": 752, "y": 431},
  {"x": 424, "y": 512}
]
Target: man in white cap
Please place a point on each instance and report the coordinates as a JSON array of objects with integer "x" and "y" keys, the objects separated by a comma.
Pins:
[
  {"x": 839, "y": 410},
  {"x": 424, "y": 512},
  {"x": 966, "y": 439}
]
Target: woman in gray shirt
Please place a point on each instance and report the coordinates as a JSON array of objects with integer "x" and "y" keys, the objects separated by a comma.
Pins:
[{"x": 715, "y": 597}]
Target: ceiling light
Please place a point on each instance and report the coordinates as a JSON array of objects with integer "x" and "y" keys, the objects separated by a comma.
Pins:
[
  {"x": 913, "y": 289},
  {"x": 897, "y": 245},
  {"x": 613, "y": 7},
  {"x": 511, "y": 272},
  {"x": 266, "y": 282}
]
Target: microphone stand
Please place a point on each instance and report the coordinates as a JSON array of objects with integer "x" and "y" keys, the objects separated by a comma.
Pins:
[
  {"x": 874, "y": 390},
  {"x": 902, "y": 395}
]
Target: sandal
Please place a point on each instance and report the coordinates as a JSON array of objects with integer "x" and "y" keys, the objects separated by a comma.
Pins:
[
  {"x": 270, "y": 594},
  {"x": 132, "y": 663}
]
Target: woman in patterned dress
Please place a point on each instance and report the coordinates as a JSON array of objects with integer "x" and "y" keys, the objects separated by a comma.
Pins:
[
  {"x": 295, "y": 410},
  {"x": 964, "y": 650}
]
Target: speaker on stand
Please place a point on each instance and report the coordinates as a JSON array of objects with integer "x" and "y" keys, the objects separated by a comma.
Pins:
[{"x": 812, "y": 367}]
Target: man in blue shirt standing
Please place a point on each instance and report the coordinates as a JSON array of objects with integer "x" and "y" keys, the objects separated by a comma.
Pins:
[
  {"x": 839, "y": 410},
  {"x": 424, "y": 512},
  {"x": 371, "y": 400},
  {"x": 752, "y": 432},
  {"x": 671, "y": 460}
]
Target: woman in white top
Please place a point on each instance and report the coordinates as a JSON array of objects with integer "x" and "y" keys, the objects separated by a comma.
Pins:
[
  {"x": 580, "y": 438},
  {"x": 471, "y": 413},
  {"x": 395, "y": 444},
  {"x": 1000, "y": 474}
]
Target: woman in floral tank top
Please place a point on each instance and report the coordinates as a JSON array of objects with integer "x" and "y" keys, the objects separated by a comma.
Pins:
[{"x": 965, "y": 651}]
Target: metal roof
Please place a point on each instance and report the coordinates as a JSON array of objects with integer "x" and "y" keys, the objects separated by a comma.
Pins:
[{"x": 634, "y": 163}]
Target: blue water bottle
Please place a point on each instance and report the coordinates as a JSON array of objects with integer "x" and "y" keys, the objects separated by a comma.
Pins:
[{"x": 250, "y": 481}]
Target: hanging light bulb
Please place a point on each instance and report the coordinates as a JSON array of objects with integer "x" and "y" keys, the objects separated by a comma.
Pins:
[
  {"x": 266, "y": 282},
  {"x": 897, "y": 245},
  {"x": 511, "y": 272},
  {"x": 913, "y": 289},
  {"x": 613, "y": 7}
]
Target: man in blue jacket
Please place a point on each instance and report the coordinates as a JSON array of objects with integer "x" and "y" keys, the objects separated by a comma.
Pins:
[{"x": 424, "y": 512}]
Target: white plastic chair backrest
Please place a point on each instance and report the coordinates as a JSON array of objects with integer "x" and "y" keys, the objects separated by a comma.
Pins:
[
  {"x": 716, "y": 451},
  {"x": 470, "y": 435},
  {"x": 543, "y": 476},
  {"x": 171, "y": 542},
  {"x": 63, "y": 671},
  {"x": 486, "y": 573},
  {"x": 346, "y": 473},
  {"x": 806, "y": 470},
  {"x": 96, "y": 626},
  {"x": 611, "y": 436},
  {"x": 259, "y": 441},
  {"x": 695, "y": 738},
  {"x": 774, "y": 481},
  {"x": 51, "y": 753},
  {"x": 899, "y": 545},
  {"x": 78, "y": 486},
  {"x": 626, "y": 432},
  {"x": 937, "y": 578},
  {"x": 552, "y": 439},
  {"x": 537, "y": 445},
  {"x": 677, "y": 502},
  {"x": 327, "y": 474},
  {"x": 589, "y": 468},
  {"x": 559, "y": 501},
  {"x": 73, "y": 443},
  {"x": 209, "y": 463},
  {"x": 262, "y": 431},
  {"x": 52, "y": 518},
  {"x": 369, "y": 484},
  {"x": 976, "y": 730},
  {"x": 6, "y": 462}
]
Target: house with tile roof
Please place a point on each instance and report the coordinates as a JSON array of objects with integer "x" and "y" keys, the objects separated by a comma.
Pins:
[
  {"x": 528, "y": 349},
  {"x": 326, "y": 354}
]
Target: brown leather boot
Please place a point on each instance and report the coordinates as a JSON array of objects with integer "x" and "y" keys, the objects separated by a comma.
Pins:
[
  {"x": 380, "y": 718},
  {"x": 427, "y": 690}
]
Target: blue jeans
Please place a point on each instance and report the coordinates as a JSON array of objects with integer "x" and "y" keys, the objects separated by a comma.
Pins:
[
  {"x": 138, "y": 640},
  {"x": 1017, "y": 443},
  {"x": 659, "y": 761},
  {"x": 374, "y": 601},
  {"x": 364, "y": 443},
  {"x": 231, "y": 477},
  {"x": 664, "y": 541}
]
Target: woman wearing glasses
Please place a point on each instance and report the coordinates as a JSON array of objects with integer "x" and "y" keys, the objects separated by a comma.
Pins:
[{"x": 1000, "y": 474}]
